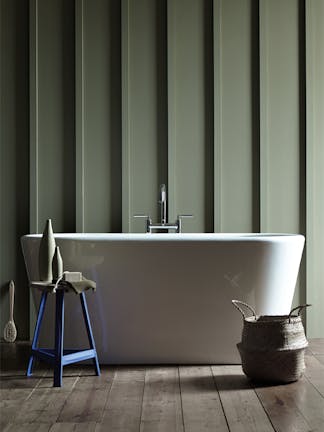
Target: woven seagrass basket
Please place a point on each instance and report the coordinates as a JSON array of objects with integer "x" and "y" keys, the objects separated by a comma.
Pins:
[{"x": 272, "y": 346}]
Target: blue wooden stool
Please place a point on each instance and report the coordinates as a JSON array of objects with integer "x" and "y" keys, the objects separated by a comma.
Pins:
[{"x": 59, "y": 357}]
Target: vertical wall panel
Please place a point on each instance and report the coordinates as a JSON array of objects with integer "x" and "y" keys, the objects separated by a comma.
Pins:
[
  {"x": 101, "y": 117},
  {"x": 190, "y": 108},
  {"x": 14, "y": 161},
  {"x": 315, "y": 163},
  {"x": 280, "y": 140},
  {"x": 279, "y": 101},
  {"x": 235, "y": 37},
  {"x": 144, "y": 104},
  {"x": 53, "y": 123}
]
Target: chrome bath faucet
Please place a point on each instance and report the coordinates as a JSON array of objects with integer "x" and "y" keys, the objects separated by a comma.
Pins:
[{"x": 164, "y": 225}]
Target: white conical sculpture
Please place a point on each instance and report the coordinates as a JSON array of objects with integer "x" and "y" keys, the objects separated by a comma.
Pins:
[
  {"x": 46, "y": 253},
  {"x": 57, "y": 265}
]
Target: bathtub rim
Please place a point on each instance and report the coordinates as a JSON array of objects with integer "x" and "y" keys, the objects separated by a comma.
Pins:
[{"x": 182, "y": 237}]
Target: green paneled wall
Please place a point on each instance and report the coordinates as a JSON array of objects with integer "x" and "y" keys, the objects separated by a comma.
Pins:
[{"x": 111, "y": 98}]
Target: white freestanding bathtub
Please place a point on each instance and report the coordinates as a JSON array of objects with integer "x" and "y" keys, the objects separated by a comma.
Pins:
[{"x": 166, "y": 298}]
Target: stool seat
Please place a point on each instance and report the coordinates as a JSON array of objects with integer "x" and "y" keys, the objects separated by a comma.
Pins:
[{"x": 59, "y": 357}]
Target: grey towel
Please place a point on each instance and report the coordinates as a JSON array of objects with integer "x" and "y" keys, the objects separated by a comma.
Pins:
[{"x": 79, "y": 287}]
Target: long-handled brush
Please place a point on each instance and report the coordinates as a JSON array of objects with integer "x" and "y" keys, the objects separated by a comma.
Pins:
[{"x": 10, "y": 331}]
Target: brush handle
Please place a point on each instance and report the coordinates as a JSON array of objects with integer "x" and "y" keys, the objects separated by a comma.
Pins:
[{"x": 11, "y": 299}]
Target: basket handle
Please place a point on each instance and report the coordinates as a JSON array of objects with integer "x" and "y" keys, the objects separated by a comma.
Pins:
[
  {"x": 236, "y": 303},
  {"x": 299, "y": 308}
]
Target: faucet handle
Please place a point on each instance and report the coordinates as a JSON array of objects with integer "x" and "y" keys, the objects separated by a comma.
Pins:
[
  {"x": 179, "y": 221},
  {"x": 179, "y": 216},
  {"x": 148, "y": 221}
]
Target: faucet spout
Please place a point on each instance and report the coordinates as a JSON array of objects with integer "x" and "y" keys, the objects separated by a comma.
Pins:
[{"x": 163, "y": 203}]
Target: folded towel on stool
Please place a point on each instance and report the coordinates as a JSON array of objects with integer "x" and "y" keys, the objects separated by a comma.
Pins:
[{"x": 79, "y": 286}]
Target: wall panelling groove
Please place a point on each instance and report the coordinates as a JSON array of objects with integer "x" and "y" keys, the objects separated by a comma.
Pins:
[
  {"x": 211, "y": 97},
  {"x": 79, "y": 117}
]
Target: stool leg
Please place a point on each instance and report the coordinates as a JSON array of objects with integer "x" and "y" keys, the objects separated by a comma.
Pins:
[
  {"x": 40, "y": 315},
  {"x": 59, "y": 336},
  {"x": 89, "y": 331}
]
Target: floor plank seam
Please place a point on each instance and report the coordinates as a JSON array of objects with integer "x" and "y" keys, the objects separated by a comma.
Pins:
[
  {"x": 314, "y": 386},
  {"x": 67, "y": 396},
  {"x": 305, "y": 417},
  {"x": 181, "y": 404},
  {"x": 140, "y": 417},
  {"x": 114, "y": 370},
  {"x": 265, "y": 410},
  {"x": 220, "y": 399},
  {"x": 36, "y": 386},
  {"x": 141, "y": 414}
]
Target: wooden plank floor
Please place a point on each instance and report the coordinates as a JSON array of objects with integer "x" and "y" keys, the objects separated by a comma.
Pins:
[{"x": 158, "y": 398}]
